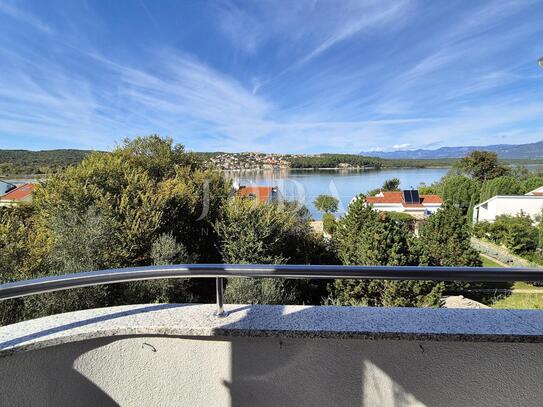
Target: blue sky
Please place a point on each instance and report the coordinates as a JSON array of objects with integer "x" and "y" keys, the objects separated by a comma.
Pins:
[{"x": 300, "y": 76}]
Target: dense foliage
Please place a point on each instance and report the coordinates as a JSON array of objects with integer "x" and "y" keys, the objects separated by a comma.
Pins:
[
  {"x": 146, "y": 202},
  {"x": 459, "y": 190},
  {"x": 445, "y": 240},
  {"x": 326, "y": 203},
  {"x": 329, "y": 223},
  {"x": 251, "y": 232},
  {"x": 366, "y": 238},
  {"x": 392, "y": 184},
  {"x": 517, "y": 233},
  {"x": 24, "y": 162},
  {"x": 333, "y": 161},
  {"x": 151, "y": 202},
  {"x": 482, "y": 165}
]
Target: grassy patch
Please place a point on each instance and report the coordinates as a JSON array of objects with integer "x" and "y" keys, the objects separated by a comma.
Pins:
[
  {"x": 520, "y": 301},
  {"x": 522, "y": 285},
  {"x": 489, "y": 263}
]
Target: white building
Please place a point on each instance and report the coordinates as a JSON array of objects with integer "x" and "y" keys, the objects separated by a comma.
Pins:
[{"x": 530, "y": 204}]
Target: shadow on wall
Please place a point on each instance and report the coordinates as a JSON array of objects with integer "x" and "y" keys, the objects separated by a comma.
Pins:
[
  {"x": 47, "y": 382},
  {"x": 320, "y": 372},
  {"x": 301, "y": 370}
]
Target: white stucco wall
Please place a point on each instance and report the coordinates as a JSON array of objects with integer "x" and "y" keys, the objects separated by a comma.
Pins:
[
  {"x": 184, "y": 371},
  {"x": 259, "y": 355},
  {"x": 508, "y": 205}
]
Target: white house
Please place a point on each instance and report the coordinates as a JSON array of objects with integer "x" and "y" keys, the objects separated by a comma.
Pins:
[
  {"x": 408, "y": 201},
  {"x": 530, "y": 204}
]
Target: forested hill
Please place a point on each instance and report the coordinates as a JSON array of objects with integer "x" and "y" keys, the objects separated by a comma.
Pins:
[
  {"x": 25, "y": 162},
  {"x": 531, "y": 151}
]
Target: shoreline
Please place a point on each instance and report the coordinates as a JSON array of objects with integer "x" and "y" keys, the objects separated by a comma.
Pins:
[{"x": 439, "y": 167}]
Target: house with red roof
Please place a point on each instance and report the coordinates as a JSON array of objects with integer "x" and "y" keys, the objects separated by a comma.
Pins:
[
  {"x": 264, "y": 194},
  {"x": 22, "y": 193},
  {"x": 407, "y": 201}
]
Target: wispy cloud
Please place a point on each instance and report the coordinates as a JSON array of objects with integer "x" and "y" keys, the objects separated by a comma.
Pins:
[
  {"x": 23, "y": 16},
  {"x": 314, "y": 76}
]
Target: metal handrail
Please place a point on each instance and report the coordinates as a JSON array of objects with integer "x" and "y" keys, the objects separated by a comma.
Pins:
[{"x": 220, "y": 271}]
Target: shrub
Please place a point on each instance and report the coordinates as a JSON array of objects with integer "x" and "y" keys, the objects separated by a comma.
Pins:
[
  {"x": 329, "y": 223},
  {"x": 252, "y": 232}
]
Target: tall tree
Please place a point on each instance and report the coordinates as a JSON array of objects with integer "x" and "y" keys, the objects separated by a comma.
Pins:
[
  {"x": 482, "y": 165},
  {"x": 366, "y": 238},
  {"x": 111, "y": 210},
  {"x": 504, "y": 185},
  {"x": 392, "y": 184},
  {"x": 459, "y": 191},
  {"x": 326, "y": 203},
  {"x": 445, "y": 240}
]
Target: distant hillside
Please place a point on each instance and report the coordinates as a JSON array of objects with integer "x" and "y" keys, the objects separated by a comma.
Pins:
[
  {"x": 25, "y": 162},
  {"x": 531, "y": 151}
]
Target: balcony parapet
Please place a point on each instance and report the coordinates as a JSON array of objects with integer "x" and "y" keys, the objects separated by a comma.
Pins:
[{"x": 197, "y": 320}]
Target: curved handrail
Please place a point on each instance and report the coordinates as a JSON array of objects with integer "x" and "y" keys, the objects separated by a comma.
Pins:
[
  {"x": 219, "y": 271},
  {"x": 84, "y": 279}
]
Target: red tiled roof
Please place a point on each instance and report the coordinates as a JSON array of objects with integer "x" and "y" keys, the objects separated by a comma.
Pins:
[
  {"x": 19, "y": 193},
  {"x": 263, "y": 194},
  {"x": 387, "y": 198},
  {"x": 396, "y": 197},
  {"x": 537, "y": 193},
  {"x": 431, "y": 199}
]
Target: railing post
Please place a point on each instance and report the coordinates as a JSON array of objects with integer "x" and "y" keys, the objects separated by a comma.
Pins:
[{"x": 220, "y": 312}]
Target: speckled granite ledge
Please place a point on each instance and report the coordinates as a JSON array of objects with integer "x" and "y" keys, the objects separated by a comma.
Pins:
[{"x": 276, "y": 321}]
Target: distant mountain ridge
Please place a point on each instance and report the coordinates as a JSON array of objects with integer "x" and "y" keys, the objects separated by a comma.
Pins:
[{"x": 530, "y": 151}]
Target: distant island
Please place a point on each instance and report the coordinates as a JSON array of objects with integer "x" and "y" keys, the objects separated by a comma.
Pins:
[
  {"x": 530, "y": 151},
  {"x": 25, "y": 163}
]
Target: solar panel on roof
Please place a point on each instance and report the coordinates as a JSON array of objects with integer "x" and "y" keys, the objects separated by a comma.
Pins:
[
  {"x": 415, "y": 196},
  {"x": 407, "y": 198}
]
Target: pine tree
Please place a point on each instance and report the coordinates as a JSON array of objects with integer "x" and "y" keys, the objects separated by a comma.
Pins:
[
  {"x": 445, "y": 240},
  {"x": 364, "y": 237}
]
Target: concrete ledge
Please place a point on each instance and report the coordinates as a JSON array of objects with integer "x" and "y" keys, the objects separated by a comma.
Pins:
[{"x": 276, "y": 321}]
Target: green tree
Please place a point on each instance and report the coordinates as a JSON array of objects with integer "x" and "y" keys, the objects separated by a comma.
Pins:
[
  {"x": 505, "y": 185},
  {"x": 459, "y": 191},
  {"x": 445, "y": 240},
  {"x": 146, "y": 188},
  {"x": 530, "y": 183},
  {"x": 365, "y": 238},
  {"x": 326, "y": 203},
  {"x": 517, "y": 233},
  {"x": 392, "y": 184},
  {"x": 482, "y": 165},
  {"x": 81, "y": 242},
  {"x": 252, "y": 232},
  {"x": 15, "y": 236},
  {"x": 114, "y": 210}
]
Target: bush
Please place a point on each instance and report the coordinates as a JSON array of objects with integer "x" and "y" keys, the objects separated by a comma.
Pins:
[
  {"x": 517, "y": 233},
  {"x": 399, "y": 217},
  {"x": 143, "y": 203},
  {"x": 252, "y": 232},
  {"x": 329, "y": 223}
]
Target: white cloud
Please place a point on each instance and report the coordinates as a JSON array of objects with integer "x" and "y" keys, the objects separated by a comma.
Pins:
[{"x": 403, "y": 146}]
